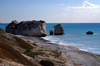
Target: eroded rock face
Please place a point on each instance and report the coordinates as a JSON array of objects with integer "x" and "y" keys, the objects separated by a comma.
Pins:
[
  {"x": 11, "y": 28},
  {"x": 58, "y": 30},
  {"x": 28, "y": 28}
]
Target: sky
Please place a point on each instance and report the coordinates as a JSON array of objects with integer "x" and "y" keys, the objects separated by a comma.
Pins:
[{"x": 51, "y": 11}]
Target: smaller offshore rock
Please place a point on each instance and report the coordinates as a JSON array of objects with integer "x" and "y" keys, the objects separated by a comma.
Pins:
[
  {"x": 89, "y": 32},
  {"x": 58, "y": 30},
  {"x": 51, "y": 32},
  {"x": 28, "y": 28}
]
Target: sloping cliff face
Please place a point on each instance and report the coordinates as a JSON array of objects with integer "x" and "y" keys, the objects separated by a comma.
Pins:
[
  {"x": 9, "y": 49},
  {"x": 28, "y": 28},
  {"x": 15, "y": 51}
]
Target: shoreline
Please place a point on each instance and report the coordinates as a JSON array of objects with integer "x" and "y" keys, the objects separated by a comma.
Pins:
[
  {"x": 73, "y": 55},
  {"x": 46, "y": 43},
  {"x": 50, "y": 42}
]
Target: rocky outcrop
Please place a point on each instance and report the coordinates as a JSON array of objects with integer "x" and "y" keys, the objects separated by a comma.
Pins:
[
  {"x": 89, "y": 32},
  {"x": 51, "y": 32},
  {"x": 58, "y": 30},
  {"x": 11, "y": 28},
  {"x": 28, "y": 28}
]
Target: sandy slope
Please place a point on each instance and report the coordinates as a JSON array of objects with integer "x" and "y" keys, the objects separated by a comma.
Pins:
[
  {"x": 5, "y": 62},
  {"x": 14, "y": 51}
]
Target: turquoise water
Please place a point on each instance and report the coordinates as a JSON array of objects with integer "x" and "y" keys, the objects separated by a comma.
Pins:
[
  {"x": 75, "y": 34},
  {"x": 3, "y": 26}
]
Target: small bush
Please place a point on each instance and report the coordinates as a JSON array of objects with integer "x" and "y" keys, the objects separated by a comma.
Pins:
[
  {"x": 36, "y": 60},
  {"x": 35, "y": 44},
  {"x": 46, "y": 63},
  {"x": 8, "y": 38},
  {"x": 28, "y": 50},
  {"x": 43, "y": 50},
  {"x": 53, "y": 51},
  {"x": 2, "y": 36},
  {"x": 33, "y": 54},
  {"x": 36, "y": 53},
  {"x": 28, "y": 41},
  {"x": 5, "y": 37}
]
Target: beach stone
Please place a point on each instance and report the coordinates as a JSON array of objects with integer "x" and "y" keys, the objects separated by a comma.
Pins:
[
  {"x": 58, "y": 30},
  {"x": 89, "y": 32},
  {"x": 28, "y": 28},
  {"x": 51, "y": 32}
]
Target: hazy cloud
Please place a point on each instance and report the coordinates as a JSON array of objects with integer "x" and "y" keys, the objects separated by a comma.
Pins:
[
  {"x": 86, "y": 6},
  {"x": 63, "y": 14},
  {"x": 87, "y": 12},
  {"x": 61, "y": 4}
]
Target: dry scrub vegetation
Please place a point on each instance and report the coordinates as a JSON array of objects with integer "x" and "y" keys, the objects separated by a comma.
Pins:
[{"x": 20, "y": 52}]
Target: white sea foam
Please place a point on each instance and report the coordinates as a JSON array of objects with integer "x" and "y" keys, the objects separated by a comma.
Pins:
[
  {"x": 84, "y": 49},
  {"x": 53, "y": 40},
  {"x": 96, "y": 34},
  {"x": 91, "y": 48}
]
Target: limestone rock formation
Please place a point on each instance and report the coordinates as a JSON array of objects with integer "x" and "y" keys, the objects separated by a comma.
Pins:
[
  {"x": 89, "y": 32},
  {"x": 11, "y": 28},
  {"x": 51, "y": 32},
  {"x": 58, "y": 30},
  {"x": 28, "y": 28}
]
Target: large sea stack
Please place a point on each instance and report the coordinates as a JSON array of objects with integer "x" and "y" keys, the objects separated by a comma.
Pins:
[
  {"x": 28, "y": 28},
  {"x": 58, "y": 30}
]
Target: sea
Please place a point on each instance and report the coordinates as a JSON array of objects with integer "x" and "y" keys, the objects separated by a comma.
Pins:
[{"x": 75, "y": 35}]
